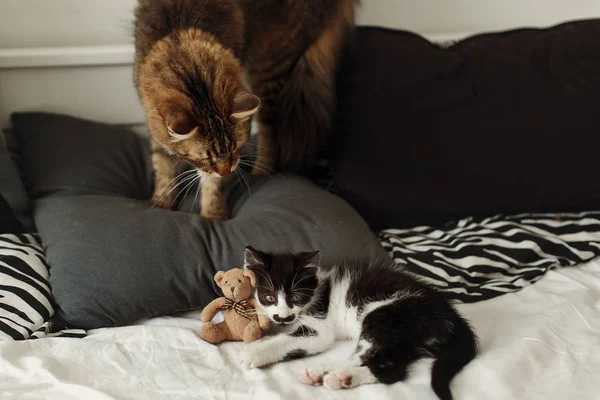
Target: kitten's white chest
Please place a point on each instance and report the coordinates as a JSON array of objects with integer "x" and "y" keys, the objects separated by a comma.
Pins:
[{"x": 343, "y": 318}]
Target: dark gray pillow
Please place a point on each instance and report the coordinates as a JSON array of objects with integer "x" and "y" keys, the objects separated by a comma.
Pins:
[
  {"x": 115, "y": 260},
  {"x": 12, "y": 188}
]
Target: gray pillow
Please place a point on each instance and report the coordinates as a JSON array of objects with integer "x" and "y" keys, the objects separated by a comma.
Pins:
[{"x": 115, "y": 259}]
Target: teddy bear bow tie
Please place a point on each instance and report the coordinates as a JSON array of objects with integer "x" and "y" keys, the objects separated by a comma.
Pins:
[{"x": 240, "y": 307}]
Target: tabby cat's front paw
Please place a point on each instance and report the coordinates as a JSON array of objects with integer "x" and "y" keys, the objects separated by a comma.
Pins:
[{"x": 215, "y": 215}]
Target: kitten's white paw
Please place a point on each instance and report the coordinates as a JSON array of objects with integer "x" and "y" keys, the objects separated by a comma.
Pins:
[
  {"x": 314, "y": 375},
  {"x": 338, "y": 380},
  {"x": 253, "y": 357},
  {"x": 348, "y": 378}
]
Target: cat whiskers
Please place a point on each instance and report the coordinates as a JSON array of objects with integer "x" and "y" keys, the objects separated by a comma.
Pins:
[
  {"x": 300, "y": 293},
  {"x": 267, "y": 278},
  {"x": 295, "y": 283},
  {"x": 257, "y": 312},
  {"x": 243, "y": 174},
  {"x": 200, "y": 179},
  {"x": 259, "y": 166},
  {"x": 184, "y": 176}
]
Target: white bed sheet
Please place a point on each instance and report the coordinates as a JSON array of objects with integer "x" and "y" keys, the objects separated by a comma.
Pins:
[{"x": 540, "y": 343}]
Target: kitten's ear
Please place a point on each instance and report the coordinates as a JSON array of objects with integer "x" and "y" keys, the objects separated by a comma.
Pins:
[
  {"x": 244, "y": 104},
  {"x": 313, "y": 259},
  {"x": 252, "y": 276},
  {"x": 253, "y": 258},
  {"x": 180, "y": 125},
  {"x": 219, "y": 277}
]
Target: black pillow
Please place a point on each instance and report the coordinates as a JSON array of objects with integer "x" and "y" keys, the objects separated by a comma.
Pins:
[
  {"x": 15, "y": 202},
  {"x": 8, "y": 222},
  {"x": 115, "y": 260},
  {"x": 497, "y": 123}
]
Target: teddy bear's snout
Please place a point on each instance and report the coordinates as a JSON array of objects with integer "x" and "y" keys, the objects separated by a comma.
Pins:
[{"x": 236, "y": 292}]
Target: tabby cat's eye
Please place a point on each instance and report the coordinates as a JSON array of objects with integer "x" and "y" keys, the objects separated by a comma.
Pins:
[{"x": 178, "y": 136}]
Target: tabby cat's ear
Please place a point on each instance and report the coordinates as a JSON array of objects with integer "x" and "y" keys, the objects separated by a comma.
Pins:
[
  {"x": 253, "y": 258},
  {"x": 244, "y": 104},
  {"x": 180, "y": 125}
]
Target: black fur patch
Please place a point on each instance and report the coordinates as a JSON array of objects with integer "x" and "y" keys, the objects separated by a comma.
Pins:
[
  {"x": 304, "y": 331},
  {"x": 321, "y": 307},
  {"x": 379, "y": 281},
  {"x": 294, "y": 355}
]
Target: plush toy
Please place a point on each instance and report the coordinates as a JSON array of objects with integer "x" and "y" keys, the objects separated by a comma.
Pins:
[{"x": 241, "y": 321}]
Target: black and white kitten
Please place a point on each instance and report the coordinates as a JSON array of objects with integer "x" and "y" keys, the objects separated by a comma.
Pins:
[{"x": 394, "y": 319}]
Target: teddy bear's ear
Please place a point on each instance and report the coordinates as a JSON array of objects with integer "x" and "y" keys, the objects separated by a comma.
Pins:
[
  {"x": 252, "y": 276},
  {"x": 219, "y": 277}
]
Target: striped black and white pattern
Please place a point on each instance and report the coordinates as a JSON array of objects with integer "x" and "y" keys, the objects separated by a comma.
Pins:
[
  {"x": 474, "y": 260},
  {"x": 25, "y": 296},
  {"x": 52, "y": 329}
]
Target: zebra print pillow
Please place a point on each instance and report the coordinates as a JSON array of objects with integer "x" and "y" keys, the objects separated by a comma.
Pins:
[
  {"x": 26, "y": 305},
  {"x": 474, "y": 260},
  {"x": 25, "y": 296}
]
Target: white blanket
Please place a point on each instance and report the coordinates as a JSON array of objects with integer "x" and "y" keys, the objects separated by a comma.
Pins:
[{"x": 540, "y": 343}]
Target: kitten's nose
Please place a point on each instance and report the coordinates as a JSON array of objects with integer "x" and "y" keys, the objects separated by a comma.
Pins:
[
  {"x": 223, "y": 168},
  {"x": 285, "y": 320}
]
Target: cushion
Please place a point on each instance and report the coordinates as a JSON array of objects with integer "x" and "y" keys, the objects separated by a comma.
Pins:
[
  {"x": 8, "y": 221},
  {"x": 496, "y": 123},
  {"x": 12, "y": 188},
  {"x": 477, "y": 259},
  {"x": 116, "y": 259},
  {"x": 25, "y": 297}
]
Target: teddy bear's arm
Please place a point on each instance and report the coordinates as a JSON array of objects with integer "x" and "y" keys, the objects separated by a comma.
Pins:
[
  {"x": 209, "y": 312},
  {"x": 263, "y": 320}
]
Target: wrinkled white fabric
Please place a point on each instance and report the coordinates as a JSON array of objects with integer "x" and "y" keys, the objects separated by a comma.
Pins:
[{"x": 540, "y": 343}]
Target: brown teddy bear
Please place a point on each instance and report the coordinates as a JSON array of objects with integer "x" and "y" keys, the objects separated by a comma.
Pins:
[{"x": 241, "y": 321}]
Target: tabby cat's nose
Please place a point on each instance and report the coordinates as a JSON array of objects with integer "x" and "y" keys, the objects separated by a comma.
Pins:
[{"x": 223, "y": 168}]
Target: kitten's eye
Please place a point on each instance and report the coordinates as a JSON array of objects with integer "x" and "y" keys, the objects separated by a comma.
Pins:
[
  {"x": 296, "y": 297},
  {"x": 270, "y": 299}
]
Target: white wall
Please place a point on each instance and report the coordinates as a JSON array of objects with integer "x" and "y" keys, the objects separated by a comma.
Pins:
[
  {"x": 472, "y": 16},
  {"x": 40, "y": 23},
  {"x": 106, "y": 93},
  {"x": 35, "y": 23}
]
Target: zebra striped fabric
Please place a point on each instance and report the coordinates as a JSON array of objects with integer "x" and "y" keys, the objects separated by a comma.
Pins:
[
  {"x": 473, "y": 260},
  {"x": 25, "y": 296}
]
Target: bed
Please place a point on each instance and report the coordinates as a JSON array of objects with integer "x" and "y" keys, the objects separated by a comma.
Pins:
[
  {"x": 530, "y": 283},
  {"x": 539, "y": 343}
]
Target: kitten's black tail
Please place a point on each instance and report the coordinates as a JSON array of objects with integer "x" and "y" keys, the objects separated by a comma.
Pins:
[{"x": 462, "y": 349}]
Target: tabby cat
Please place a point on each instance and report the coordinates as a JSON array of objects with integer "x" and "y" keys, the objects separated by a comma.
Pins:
[
  {"x": 203, "y": 68},
  {"x": 393, "y": 318}
]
